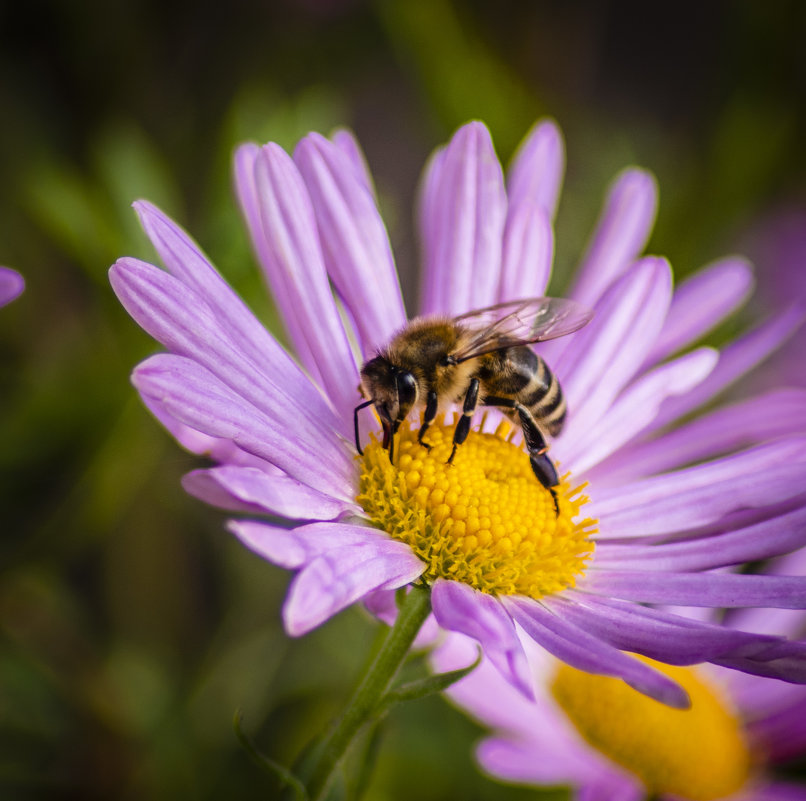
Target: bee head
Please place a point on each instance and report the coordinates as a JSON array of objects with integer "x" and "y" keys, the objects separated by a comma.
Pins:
[{"x": 391, "y": 389}]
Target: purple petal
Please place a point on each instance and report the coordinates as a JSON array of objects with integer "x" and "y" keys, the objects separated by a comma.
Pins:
[
  {"x": 427, "y": 217},
  {"x": 526, "y": 763},
  {"x": 584, "y": 445},
  {"x": 296, "y": 547},
  {"x": 463, "y": 255},
  {"x": 734, "y": 361},
  {"x": 585, "y": 652},
  {"x": 216, "y": 448},
  {"x": 234, "y": 320},
  {"x": 604, "y": 355},
  {"x": 287, "y": 242},
  {"x": 528, "y": 253},
  {"x": 788, "y": 664},
  {"x": 254, "y": 489},
  {"x": 761, "y": 789},
  {"x": 697, "y": 589},
  {"x": 354, "y": 240},
  {"x": 621, "y": 234},
  {"x": 528, "y": 728},
  {"x": 654, "y": 633},
  {"x": 348, "y": 144},
  {"x": 338, "y": 578},
  {"x": 780, "y": 534},
  {"x": 458, "y": 607},
  {"x": 249, "y": 199},
  {"x": 537, "y": 169},
  {"x": 195, "y": 397},
  {"x": 764, "y": 790},
  {"x": 782, "y": 731},
  {"x": 612, "y": 787},
  {"x": 11, "y": 285},
  {"x": 749, "y": 422},
  {"x": 178, "y": 317},
  {"x": 694, "y": 497},
  {"x": 701, "y": 302}
]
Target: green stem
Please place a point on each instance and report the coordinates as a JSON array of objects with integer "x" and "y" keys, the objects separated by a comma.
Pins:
[{"x": 412, "y": 614}]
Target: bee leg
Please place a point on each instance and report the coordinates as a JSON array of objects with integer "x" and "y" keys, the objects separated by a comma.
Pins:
[
  {"x": 355, "y": 424},
  {"x": 469, "y": 407},
  {"x": 542, "y": 466},
  {"x": 392, "y": 431},
  {"x": 428, "y": 417}
]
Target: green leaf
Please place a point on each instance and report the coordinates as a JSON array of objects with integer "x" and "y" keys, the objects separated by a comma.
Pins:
[
  {"x": 286, "y": 777},
  {"x": 431, "y": 685}
]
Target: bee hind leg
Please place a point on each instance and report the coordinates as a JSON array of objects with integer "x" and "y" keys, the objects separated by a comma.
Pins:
[
  {"x": 428, "y": 417},
  {"x": 542, "y": 466}
]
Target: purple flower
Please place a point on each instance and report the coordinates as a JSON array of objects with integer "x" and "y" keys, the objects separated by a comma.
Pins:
[
  {"x": 605, "y": 741},
  {"x": 11, "y": 285},
  {"x": 669, "y": 506}
]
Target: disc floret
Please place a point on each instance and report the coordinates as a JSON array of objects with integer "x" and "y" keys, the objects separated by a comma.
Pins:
[{"x": 483, "y": 520}]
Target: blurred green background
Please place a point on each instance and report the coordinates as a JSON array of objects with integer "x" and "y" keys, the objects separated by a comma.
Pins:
[{"x": 131, "y": 624}]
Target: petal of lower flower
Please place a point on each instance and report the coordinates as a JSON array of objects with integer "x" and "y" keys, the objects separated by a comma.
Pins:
[{"x": 458, "y": 607}]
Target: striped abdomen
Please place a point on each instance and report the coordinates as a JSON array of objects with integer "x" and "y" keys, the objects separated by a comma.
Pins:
[{"x": 519, "y": 373}]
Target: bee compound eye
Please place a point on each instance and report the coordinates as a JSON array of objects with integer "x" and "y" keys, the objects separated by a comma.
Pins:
[{"x": 406, "y": 389}]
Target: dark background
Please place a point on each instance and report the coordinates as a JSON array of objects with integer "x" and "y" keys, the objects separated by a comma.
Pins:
[{"x": 131, "y": 625}]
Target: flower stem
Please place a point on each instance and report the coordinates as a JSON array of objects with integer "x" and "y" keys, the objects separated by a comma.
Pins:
[{"x": 412, "y": 614}]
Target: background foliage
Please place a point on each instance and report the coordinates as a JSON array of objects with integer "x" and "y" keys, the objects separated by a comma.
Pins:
[{"x": 131, "y": 625}]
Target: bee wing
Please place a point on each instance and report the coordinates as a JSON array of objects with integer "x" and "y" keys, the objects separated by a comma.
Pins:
[{"x": 519, "y": 322}]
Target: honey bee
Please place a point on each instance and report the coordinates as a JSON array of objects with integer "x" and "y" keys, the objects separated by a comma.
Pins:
[{"x": 478, "y": 358}]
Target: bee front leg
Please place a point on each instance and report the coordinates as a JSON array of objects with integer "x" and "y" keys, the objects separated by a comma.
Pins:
[
  {"x": 469, "y": 407},
  {"x": 542, "y": 466},
  {"x": 428, "y": 417}
]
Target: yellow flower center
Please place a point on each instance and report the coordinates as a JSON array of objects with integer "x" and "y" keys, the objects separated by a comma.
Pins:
[
  {"x": 484, "y": 520},
  {"x": 698, "y": 753}
]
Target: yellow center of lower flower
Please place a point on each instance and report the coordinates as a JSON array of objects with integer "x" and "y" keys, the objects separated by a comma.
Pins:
[
  {"x": 484, "y": 520},
  {"x": 698, "y": 753}
]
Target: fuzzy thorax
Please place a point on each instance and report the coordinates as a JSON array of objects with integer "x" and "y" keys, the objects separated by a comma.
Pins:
[{"x": 484, "y": 520}]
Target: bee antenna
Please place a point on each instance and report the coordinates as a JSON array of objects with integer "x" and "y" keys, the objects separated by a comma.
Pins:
[{"x": 355, "y": 423}]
